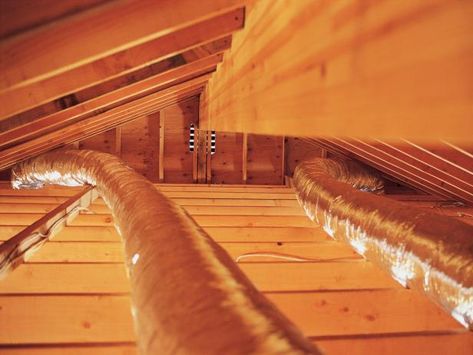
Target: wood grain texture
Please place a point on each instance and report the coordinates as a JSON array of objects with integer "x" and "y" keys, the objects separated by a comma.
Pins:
[
  {"x": 310, "y": 68},
  {"x": 265, "y": 159},
  {"x": 70, "y": 65},
  {"x": 77, "y": 283},
  {"x": 177, "y": 158},
  {"x": 140, "y": 145}
]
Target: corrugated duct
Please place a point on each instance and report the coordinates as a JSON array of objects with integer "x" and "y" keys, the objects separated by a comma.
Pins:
[
  {"x": 420, "y": 249},
  {"x": 188, "y": 296}
]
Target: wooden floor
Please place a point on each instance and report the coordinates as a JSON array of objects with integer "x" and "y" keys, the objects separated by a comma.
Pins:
[{"x": 72, "y": 296}]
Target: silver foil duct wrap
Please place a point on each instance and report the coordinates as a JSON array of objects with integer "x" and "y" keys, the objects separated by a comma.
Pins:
[
  {"x": 420, "y": 249},
  {"x": 188, "y": 296}
]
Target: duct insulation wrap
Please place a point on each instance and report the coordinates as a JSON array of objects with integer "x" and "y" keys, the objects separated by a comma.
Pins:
[
  {"x": 188, "y": 295},
  {"x": 420, "y": 249}
]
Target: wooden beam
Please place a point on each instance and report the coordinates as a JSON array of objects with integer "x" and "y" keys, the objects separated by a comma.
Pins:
[
  {"x": 401, "y": 168},
  {"x": 66, "y": 79},
  {"x": 105, "y": 102},
  {"x": 338, "y": 148},
  {"x": 201, "y": 148},
  {"x": 219, "y": 234},
  {"x": 267, "y": 277},
  {"x": 283, "y": 160},
  {"x": 208, "y": 160},
  {"x": 115, "y": 83},
  {"x": 18, "y": 248},
  {"x": 101, "y": 122},
  {"x": 244, "y": 168},
  {"x": 112, "y": 252},
  {"x": 348, "y": 82},
  {"x": 110, "y": 317},
  {"x": 17, "y": 17},
  {"x": 118, "y": 141},
  {"x": 162, "y": 122},
  {"x": 98, "y": 35}
]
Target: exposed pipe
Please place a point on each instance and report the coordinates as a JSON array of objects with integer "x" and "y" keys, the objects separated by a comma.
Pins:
[
  {"x": 420, "y": 249},
  {"x": 188, "y": 295}
]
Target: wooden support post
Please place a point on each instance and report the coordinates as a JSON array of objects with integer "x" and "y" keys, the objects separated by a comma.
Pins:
[
  {"x": 161, "y": 146},
  {"x": 201, "y": 156},
  {"x": 283, "y": 161},
  {"x": 118, "y": 142},
  {"x": 244, "y": 162},
  {"x": 208, "y": 167}
]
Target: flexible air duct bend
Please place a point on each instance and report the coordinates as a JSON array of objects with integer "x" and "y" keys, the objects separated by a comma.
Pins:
[
  {"x": 421, "y": 249},
  {"x": 188, "y": 296}
]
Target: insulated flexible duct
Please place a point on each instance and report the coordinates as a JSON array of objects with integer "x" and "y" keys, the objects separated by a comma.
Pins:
[
  {"x": 421, "y": 249},
  {"x": 188, "y": 296}
]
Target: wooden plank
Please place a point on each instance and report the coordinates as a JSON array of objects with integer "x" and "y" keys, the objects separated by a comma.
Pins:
[
  {"x": 162, "y": 122},
  {"x": 4, "y": 185},
  {"x": 70, "y": 319},
  {"x": 298, "y": 150},
  {"x": 111, "y": 278},
  {"x": 177, "y": 158},
  {"x": 118, "y": 142},
  {"x": 112, "y": 252},
  {"x": 257, "y": 90},
  {"x": 17, "y": 17},
  {"x": 227, "y": 164},
  {"x": 421, "y": 171},
  {"x": 283, "y": 160},
  {"x": 99, "y": 319},
  {"x": 265, "y": 154},
  {"x": 66, "y": 279},
  {"x": 244, "y": 159},
  {"x": 192, "y": 209},
  {"x": 76, "y": 349},
  {"x": 103, "y": 142},
  {"x": 423, "y": 157},
  {"x": 220, "y": 234},
  {"x": 19, "y": 200},
  {"x": 435, "y": 344},
  {"x": 425, "y": 186},
  {"x": 363, "y": 312},
  {"x": 202, "y": 220},
  {"x": 266, "y": 234},
  {"x": 322, "y": 251},
  {"x": 80, "y": 252},
  {"x": 98, "y": 35},
  {"x": 140, "y": 140}
]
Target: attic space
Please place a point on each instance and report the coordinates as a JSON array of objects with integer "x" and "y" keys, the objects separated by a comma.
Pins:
[{"x": 236, "y": 177}]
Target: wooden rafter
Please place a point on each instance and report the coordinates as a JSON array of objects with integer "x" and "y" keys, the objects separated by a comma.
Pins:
[
  {"x": 115, "y": 83},
  {"x": 419, "y": 176},
  {"x": 109, "y": 100},
  {"x": 95, "y": 56},
  {"x": 102, "y": 122}
]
